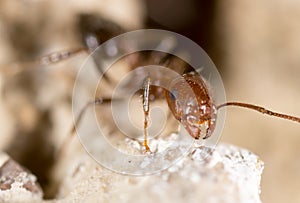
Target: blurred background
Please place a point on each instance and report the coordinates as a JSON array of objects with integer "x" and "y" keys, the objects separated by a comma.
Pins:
[{"x": 254, "y": 44}]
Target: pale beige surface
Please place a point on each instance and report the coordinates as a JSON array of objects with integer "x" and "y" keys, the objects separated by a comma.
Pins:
[
  {"x": 261, "y": 56},
  {"x": 260, "y": 44}
]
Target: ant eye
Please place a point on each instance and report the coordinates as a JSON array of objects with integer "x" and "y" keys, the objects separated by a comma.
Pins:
[
  {"x": 96, "y": 30},
  {"x": 174, "y": 94}
]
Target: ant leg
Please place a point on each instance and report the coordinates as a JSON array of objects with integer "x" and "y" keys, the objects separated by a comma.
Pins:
[
  {"x": 98, "y": 101},
  {"x": 146, "y": 107}
]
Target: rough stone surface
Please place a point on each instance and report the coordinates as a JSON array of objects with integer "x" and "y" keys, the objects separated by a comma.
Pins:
[
  {"x": 16, "y": 183},
  {"x": 227, "y": 174}
]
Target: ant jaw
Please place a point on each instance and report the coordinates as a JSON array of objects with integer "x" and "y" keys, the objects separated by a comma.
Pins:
[
  {"x": 197, "y": 129},
  {"x": 206, "y": 136},
  {"x": 193, "y": 131}
]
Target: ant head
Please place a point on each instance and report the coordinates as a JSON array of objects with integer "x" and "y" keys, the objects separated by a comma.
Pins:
[{"x": 190, "y": 103}]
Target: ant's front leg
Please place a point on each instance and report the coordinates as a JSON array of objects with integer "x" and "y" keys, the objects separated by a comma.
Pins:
[
  {"x": 146, "y": 108},
  {"x": 100, "y": 101}
]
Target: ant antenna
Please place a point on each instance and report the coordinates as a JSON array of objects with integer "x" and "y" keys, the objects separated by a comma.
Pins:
[
  {"x": 45, "y": 60},
  {"x": 60, "y": 56},
  {"x": 261, "y": 110}
]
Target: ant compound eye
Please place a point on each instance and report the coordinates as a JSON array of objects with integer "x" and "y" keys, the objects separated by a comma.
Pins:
[
  {"x": 95, "y": 30},
  {"x": 173, "y": 94}
]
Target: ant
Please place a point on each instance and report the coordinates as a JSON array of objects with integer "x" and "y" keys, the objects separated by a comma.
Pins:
[{"x": 193, "y": 115}]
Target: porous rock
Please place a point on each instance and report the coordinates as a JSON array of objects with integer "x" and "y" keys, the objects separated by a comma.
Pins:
[
  {"x": 16, "y": 183},
  {"x": 227, "y": 174}
]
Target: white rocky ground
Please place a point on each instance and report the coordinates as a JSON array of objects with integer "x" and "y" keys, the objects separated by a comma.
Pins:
[
  {"x": 16, "y": 183},
  {"x": 228, "y": 174}
]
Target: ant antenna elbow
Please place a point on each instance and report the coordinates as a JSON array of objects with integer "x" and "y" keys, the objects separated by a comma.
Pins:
[{"x": 261, "y": 110}]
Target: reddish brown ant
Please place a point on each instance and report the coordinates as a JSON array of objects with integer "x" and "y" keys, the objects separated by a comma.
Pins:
[
  {"x": 202, "y": 112},
  {"x": 199, "y": 113}
]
